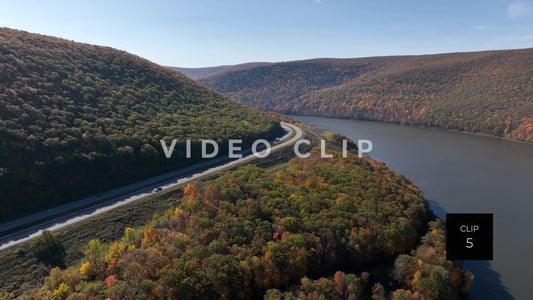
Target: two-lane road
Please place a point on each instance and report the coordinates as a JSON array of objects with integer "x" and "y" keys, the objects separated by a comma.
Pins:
[{"x": 122, "y": 196}]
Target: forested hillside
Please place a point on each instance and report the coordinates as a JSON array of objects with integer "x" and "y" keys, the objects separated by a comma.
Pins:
[
  {"x": 77, "y": 119},
  {"x": 197, "y": 73},
  {"x": 481, "y": 92},
  {"x": 252, "y": 232}
]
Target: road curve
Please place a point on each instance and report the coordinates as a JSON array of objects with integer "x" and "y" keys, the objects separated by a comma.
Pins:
[{"x": 131, "y": 195}]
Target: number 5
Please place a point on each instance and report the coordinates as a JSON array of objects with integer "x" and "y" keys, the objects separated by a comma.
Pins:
[{"x": 469, "y": 243}]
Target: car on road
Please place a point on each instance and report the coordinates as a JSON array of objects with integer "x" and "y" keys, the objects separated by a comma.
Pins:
[{"x": 157, "y": 189}]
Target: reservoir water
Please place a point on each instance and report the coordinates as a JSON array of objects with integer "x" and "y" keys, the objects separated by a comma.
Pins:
[{"x": 464, "y": 173}]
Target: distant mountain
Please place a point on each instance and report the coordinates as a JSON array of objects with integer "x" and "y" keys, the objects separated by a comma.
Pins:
[
  {"x": 199, "y": 73},
  {"x": 488, "y": 92},
  {"x": 78, "y": 119}
]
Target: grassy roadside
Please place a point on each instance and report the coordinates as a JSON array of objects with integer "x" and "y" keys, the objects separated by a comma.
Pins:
[{"x": 21, "y": 271}]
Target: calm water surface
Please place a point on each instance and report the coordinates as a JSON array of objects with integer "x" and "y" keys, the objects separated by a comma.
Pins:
[{"x": 464, "y": 173}]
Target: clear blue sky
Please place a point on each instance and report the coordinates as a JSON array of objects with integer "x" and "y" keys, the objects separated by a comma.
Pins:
[{"x": 206, "y": 33}]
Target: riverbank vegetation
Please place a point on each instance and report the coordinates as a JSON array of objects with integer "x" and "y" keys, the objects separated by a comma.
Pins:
[{"x": 296, "y": 231}]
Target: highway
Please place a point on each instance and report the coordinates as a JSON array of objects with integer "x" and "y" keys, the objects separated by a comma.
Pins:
[{"x": 71, "y": 213}]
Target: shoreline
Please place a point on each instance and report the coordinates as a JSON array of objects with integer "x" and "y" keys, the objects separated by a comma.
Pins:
[{"x": 419, "y": 126}]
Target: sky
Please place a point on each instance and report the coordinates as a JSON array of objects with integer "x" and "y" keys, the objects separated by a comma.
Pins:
[{"x": 215, "y": 32}]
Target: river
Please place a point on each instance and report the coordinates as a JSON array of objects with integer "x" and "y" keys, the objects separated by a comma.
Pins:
[{"x": 464, "y": 173}]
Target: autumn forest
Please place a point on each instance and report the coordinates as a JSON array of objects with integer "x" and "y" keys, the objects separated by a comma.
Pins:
[{"x": 480, "y": 92}]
